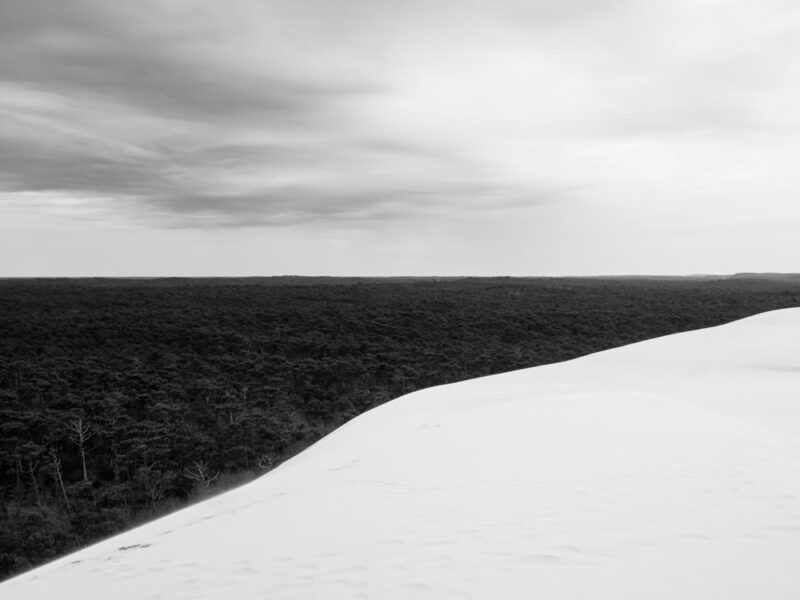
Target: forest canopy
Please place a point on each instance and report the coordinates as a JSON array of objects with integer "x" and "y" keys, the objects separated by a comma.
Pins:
[{"x": 123, "y": 399}]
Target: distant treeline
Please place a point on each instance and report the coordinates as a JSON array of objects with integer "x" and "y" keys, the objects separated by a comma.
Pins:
[{"x": 123, "y": 399}]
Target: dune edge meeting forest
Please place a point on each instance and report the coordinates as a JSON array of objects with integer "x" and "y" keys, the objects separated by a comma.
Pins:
[{"x": 121, "y": 400}]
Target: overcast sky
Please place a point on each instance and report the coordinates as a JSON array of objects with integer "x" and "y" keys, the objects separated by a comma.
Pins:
[{"x": 399, "y": 137}]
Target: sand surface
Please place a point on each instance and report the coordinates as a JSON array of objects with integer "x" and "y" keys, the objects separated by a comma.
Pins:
[{"x": 668, "y": 469}]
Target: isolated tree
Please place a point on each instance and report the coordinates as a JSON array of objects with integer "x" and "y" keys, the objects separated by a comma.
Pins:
[
  {"x": 28, "y": 460},
  {"x": 152, "y": 481},
  {"x": 113, "y": 427},
  {"x": 32, "y": 465},
  {"x": 80, "y": 433},
  {"x": 200, "y": 473},
  {"x": 55, "y": 464}
]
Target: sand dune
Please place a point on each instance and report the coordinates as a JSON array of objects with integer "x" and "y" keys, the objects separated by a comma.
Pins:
[{"x": 668, "y": 469}]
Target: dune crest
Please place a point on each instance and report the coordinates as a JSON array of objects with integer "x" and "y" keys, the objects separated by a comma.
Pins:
[{"x": 668, "y": 469}]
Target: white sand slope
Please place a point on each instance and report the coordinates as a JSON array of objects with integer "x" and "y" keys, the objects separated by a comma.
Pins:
[{"x": 668, "y": 469}]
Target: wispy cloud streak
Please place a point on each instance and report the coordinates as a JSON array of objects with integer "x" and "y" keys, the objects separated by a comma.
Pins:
[{"x": 272, "y": 113}]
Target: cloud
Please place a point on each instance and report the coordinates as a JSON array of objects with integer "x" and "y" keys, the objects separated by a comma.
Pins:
[
  {"x": 100, "y": 106},
  {"x": 248, "y": 184},
  {"x": 273, "y": 112},
  {"x": 84, "y": 50}
]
